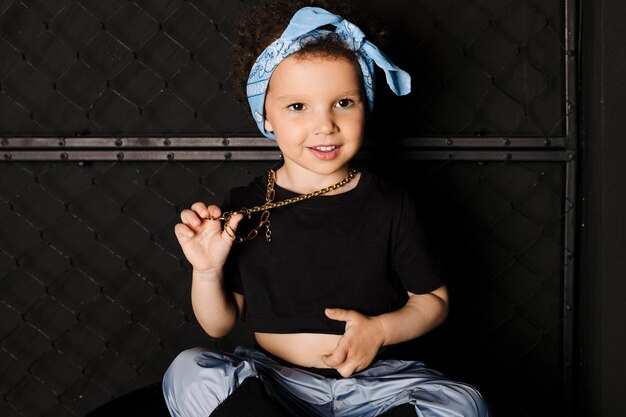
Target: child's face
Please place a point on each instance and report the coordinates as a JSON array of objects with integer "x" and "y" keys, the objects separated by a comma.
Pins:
[{"x": 315, "y": 108}]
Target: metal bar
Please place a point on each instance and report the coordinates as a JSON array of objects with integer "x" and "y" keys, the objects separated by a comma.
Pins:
[
  {"x": 274, "y": 154},
  {"x": 135, "y": 142},
  {"x": 469, "y": 155},
  {"x": 570, "y": 70},
  {"x": 479, "y": 142},
  {"x": 136, "y": 155},
  {"x": 572, "y": 36},
  {"x": 569, "y": 286},
  {"x": 261, "y": 142}
]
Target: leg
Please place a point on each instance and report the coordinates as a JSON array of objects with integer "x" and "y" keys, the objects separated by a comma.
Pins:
[
  {"x": 404, "y": 410},
  {"x": 250, "y": 399},
  {"x": 390, "y": 383},
  {"x": 198, "y": 380},
  {"x": 448, "y": 398},
  {"x": 301, "y": 393}
]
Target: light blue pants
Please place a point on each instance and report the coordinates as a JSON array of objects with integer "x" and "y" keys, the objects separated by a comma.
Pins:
[{"x": 199, "y": 380}]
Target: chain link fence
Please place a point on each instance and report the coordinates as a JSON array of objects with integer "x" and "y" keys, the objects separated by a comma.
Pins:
[
  {"x": 95, "y": 290},
  {"x": 115, "y": 115},
  {"x": 85, "y": 68}
]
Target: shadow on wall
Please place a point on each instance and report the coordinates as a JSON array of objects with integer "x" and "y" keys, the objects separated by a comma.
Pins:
[{"x": 147, "y": 401}]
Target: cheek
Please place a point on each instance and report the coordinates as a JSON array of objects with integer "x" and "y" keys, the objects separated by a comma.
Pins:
[
  {"x": 355, "y": 122},
  {"x": 284, "y": 125}
]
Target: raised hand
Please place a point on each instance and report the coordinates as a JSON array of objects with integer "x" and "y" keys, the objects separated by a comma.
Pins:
[
  {"x": 359, "y": 344},
  {"x": 204, "y": 242}
]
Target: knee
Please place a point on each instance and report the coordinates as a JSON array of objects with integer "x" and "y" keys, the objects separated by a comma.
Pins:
[
  {"x": 182, "y": 366},
  {"x": 184, "y": 387},
  {"x": 471, "y": 401},
  {"x": 198, "y": 380},
  {"x": 450, "y": 398}
]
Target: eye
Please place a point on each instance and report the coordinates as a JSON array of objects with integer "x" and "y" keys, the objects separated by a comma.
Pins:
[
  {"x": 344, "y": 102},
  {"x": 296, "y": 107}
]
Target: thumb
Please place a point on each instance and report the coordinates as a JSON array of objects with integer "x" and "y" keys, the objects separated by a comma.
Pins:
[
  {"x": 234, "y": 221},
  {"x": 338, "y": 314},
  {"x": 230, "y": 227}
]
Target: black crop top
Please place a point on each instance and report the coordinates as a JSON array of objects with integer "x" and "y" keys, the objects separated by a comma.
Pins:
[{"x": 361, "y": 250}]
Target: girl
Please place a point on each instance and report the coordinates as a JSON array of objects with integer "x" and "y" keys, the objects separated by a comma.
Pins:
[{"x": 341, "y": 269}]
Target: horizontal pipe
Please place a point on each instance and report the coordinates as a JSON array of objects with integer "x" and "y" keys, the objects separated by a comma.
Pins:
[
  {"x": 260, "y": 142},
  {"x": 274, "y": 154}
]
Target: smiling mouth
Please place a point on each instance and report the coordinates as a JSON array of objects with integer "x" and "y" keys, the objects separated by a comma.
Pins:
[{"x": 325, "y": 148}]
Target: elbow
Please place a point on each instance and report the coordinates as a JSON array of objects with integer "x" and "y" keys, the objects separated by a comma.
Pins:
[
  {"x": 443, "y": 314},
  {"x": 442, "y": 301},
  {"x": 216, "y": 335},
  {"x": 217, "y": 332},
  {"x": 216, "y": 325}
]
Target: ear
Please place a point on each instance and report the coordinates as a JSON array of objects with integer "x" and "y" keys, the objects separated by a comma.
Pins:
[{"x": 268, "y": 125}]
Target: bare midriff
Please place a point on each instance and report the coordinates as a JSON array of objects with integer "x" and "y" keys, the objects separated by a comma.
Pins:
[{"x": 302, "y": 349}]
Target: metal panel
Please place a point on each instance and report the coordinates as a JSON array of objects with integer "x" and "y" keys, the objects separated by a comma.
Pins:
[{"x": 496, "y": 86}]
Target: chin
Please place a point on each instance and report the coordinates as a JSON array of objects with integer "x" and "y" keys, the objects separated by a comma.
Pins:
[{"x": 330, "y": 170}]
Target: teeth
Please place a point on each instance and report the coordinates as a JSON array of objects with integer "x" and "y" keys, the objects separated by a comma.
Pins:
[{"x": 325, "y": 148}]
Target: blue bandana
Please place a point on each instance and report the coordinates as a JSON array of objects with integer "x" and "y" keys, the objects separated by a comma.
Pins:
[{"x": 304, "y": 28}]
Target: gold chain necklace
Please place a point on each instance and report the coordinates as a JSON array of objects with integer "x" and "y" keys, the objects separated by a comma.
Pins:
[{"x": 270, "y": 204}]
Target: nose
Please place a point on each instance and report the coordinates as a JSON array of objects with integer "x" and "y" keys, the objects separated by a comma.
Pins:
[{"x": 325, "y": 123}]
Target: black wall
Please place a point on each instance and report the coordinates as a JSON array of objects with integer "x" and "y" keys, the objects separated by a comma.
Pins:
[
  {"x": 603, "y": 220},
  {"x": 505, "y": 83}
]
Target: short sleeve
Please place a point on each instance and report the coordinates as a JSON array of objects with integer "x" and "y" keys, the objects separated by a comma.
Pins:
[
  {"x": 415, "y": 260},
  {"x": 232, "y": 276}
]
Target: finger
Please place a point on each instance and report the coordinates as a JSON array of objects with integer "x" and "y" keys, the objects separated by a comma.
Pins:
[
  {"x": 347, "y": 370},
  {"x": 213, "y": 211},
  {"x": 200, "y": 208},
  {"x": 339, "y": 314},
  {"x": 335, "y": 359},
  {"x": 234, "y": 221},
  {"x": 190, "y": 217},
  {"x": 183, "y": 232}
]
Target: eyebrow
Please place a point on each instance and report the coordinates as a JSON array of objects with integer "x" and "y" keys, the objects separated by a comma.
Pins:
[{"x": 296, "y": 97}]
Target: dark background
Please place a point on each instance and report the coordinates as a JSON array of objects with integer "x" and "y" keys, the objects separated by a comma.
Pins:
[
  {"x": 603, "y": 237},
  {"x": 115, "y": 115}
]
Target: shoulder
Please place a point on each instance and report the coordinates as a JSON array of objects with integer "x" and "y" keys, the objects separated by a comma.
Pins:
[
  {"x": 380, "y": 188},
  {"x": 247, "y": 195}
]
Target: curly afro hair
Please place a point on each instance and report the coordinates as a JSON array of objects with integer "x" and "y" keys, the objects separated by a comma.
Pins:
[{"x": 262, "y": 23}]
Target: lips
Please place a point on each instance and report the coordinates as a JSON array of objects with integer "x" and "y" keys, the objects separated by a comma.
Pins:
[
  {"x": 325, "y": 148},
  {"x": 326, "y": 152}
]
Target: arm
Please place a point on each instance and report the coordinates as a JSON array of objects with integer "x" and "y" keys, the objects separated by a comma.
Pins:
[
  {"x": 216, "y": 309},
  {"x": 420, "y": 314},
  {"x": 206, "y": 246},
  {"x": 364, "y": 335}
]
